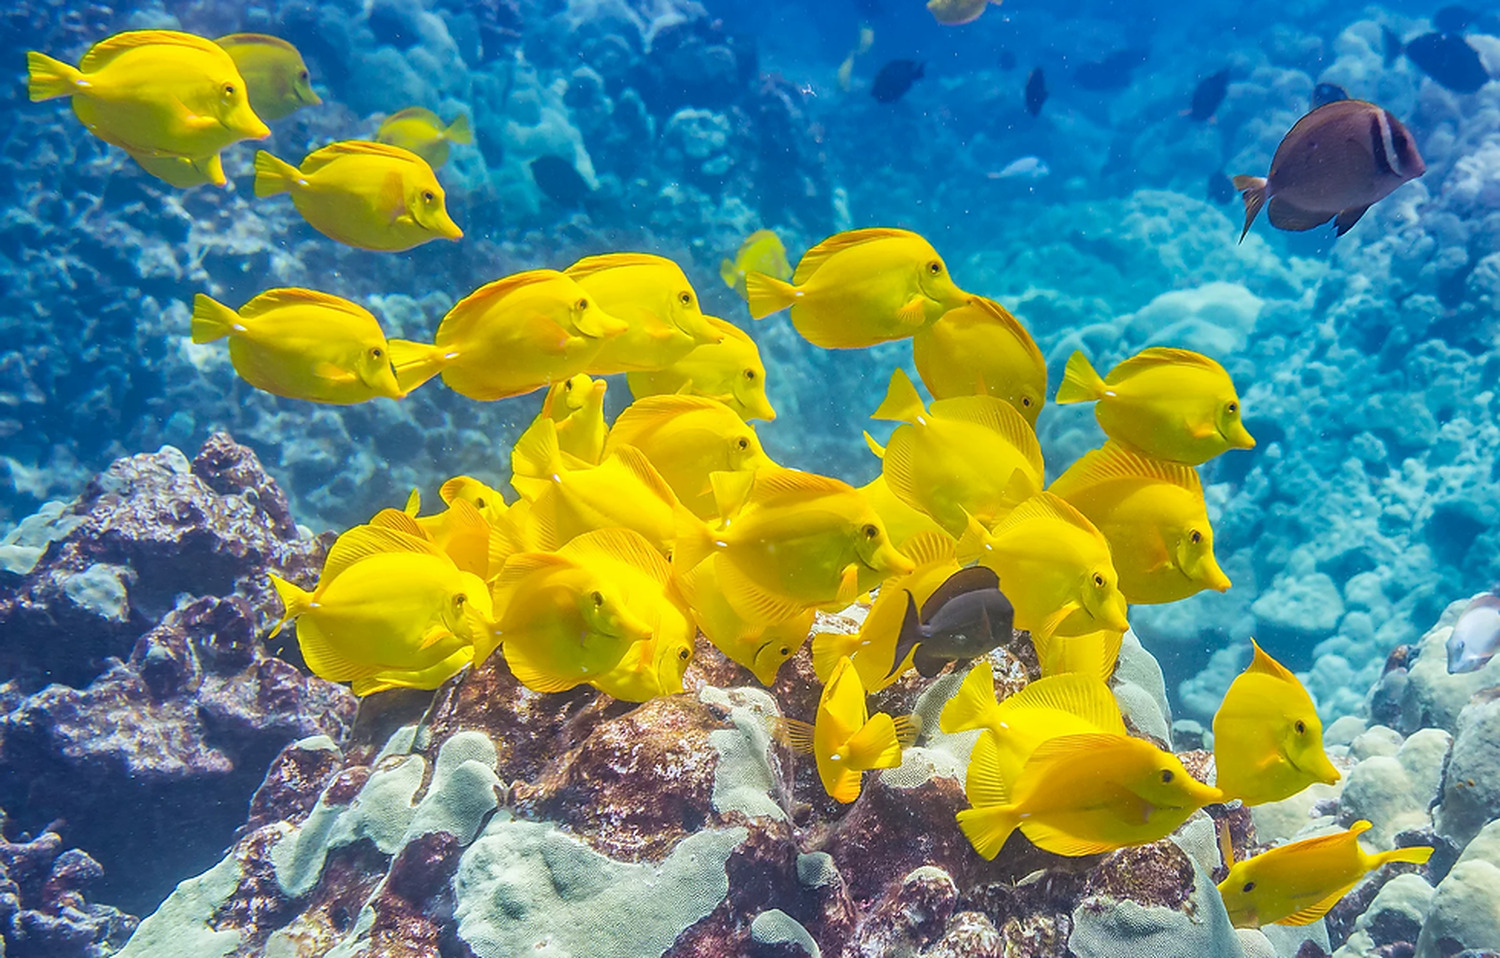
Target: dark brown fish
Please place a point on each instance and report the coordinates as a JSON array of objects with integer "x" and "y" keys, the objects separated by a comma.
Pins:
[{"x": 1335, "y": 163}]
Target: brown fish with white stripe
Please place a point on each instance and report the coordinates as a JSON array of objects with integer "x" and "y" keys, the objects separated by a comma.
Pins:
[{"x": 1334, "y": 164}]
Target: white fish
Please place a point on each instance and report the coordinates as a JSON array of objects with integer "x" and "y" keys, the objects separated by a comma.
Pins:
[
  {"x": 1026, "y": 168},
  {"x": 1476, "y": 635}
]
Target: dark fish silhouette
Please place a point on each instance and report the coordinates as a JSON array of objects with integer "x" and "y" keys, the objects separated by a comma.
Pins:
[
  {"x": 1454, "y": 19},
  {"x": 1112, "y": 72},
  {"x": 966, "y": 617},
  {"x": 1208, "y": 95},
  {"x": 1326, "y": 93},
  {"x": 894, "y": 79},
  {"x": 560, "y": 181},
  {"x": 1392, "y": 45},
  {"x": 1449, "y": 60},
  {"x": 1337, "y": 161},
  {"x": 1036, "y": 91},
  {"x": 1220, "y": 188},
  {"x": 1007, "y": 60}
]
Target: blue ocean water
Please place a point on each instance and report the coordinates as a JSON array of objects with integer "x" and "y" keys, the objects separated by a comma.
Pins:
[{"x": 1367, "y": 363}]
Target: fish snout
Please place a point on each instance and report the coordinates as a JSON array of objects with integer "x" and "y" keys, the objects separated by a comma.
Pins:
[
  {"x": 1214, "y": 577},
  {"x": 446, "y": 228},
  {"x": 248, "y": 125},
  {"x": 1239, "y": 437}
]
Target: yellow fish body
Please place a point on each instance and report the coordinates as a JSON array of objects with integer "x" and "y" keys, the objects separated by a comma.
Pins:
[
  {"x": 688, "y": 438},
  {"x": 1054, "y": 566},
  {"x": 560, "y": 622},
  {"x": 274, "y": 71},
  {"x": 1172, "y": 404},
  {"x": 389, "y": 609},
  {"x": 845, "y": 739},
  {"x": 730, "y": 371},
  {"x": 860, "y": 288},
  {"x": 424, "y": 133},
  {"x": 577, "y": 406},
  {"x": 967, "y": 456},
  {"x": 652, "y": 295},
  {"x": 302, "y": 344},
  {"x": 788, "y": 541},
  {"x": 981, "y": 349},
  {"x": 511, "y": 337},
  {"x": 366, "y": 195},
  {"x": 902, "y": 522},
  {"x": 873, "y": 648},
  {"x": 488, "y": 500},
  {"x": 183, "y": 172},
  {"x": 1153, "y": 514},
  {"x": 1079, "y": 794},
  {"x": 1268, "y": 742},
  {"x": 653, "y": 666},
  {"x": 953, "y": 13},
  {"x": 624, "y": 491},
  {"x": 156, "y": 93},
  {"x": 761, "y": 252},
  {"x": 1297, "y": 883},
  {"x": 459, "y": 531},
  {"x": 759, "y": 647}
]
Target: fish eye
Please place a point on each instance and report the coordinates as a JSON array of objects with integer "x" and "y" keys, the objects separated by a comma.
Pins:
[
  {"x": 229, "y": 89},
  {"x": 1166, "y": 775},
  {"x": 581, "y": 305},
  {"x": 1233, "y": 408},
  {"x": 1098, "y": 580},
  {"x": 302, "y": 75},
  {"x": 1249, "y": 887},
  {"x": 935, "y": 267},
  {"x": 428, "y": 196},
  {"x": 1300, "y": 728},
  {"x": 1196, "y": 537},
  {"x": 376, "y": 352},
  {"x": 684, "y": 654},
  {"x": 743, "y": 443},
  {"x": 597, "y": 597},
  {"x": 1026, "y": 401},
  {"x": 785, "y": 651},
  {"x": 750, "y": 375},
  {"x": 479, "y": 503},
  {"x": 460, "y": 599},
  {"x": 685, "y": 298},
  {"x": 870, "y": 532}
]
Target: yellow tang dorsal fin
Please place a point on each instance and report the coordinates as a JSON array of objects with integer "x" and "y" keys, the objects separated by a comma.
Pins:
[
  {"x": 902, "y": 402},
  {"x": 1045, "y": 505},
  {"x": 639, "y": 466},
  {"x": 1263, "y": 664},
  {"x": 619, "y": 545},
  {"x": 997, "y": 415},
  {"x": 593, "y": 265},
  {"x": 930, "y": 547},
  {"x": 416, "y": 113},
  {"x": 837, "y": 243},
  {"x": 1113, "y": 463},
  {"x": 1074, "y": 693},
  {"x": 1160, "y": 356},
  {"x": 101, "y": 53},
  {"x": 273, "y": 299},
  {"x": 999, "y": 314},
  {"x": 255, "y": 40},
  {"x": 899, "y": 467},
  {"x": 646, "y": 415},
  {"x": 1077, "y": 747},
  {"x": 413, "y": 506},
  {"x": 484, "y": 298},
  {"x": 779, "y": 481},
  {"x": 400, "y": 521},
  {"x": 362, "y": 542},
  {"x": 523, "y": 564},
  {"x": 467, "y": 519},
  {"x": 320, "y": 158}
]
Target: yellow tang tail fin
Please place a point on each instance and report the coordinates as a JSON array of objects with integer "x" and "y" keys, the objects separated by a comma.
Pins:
[
  {"x": 828, "y": 648},
  {"x": 902, "y": 402},
  {"x": 875, "y": 745},
  {"x": 273, "y": 176},
  {"x": 459, "y": 130},
  {"x": 974, "y": 542},
  {"x": 767, "y": 294},
  {"x": 47, "y": 78},
  {"x": 1081, "y": 382},
  {"x": 415, "y": 363},
  {"x": 294, "y": 601},
  {"x": 974, "y": 705},
  {"x": 1416, "y": 855},
  {"x": 212, "y": 319},
  {"x": 988, "y": 828}
]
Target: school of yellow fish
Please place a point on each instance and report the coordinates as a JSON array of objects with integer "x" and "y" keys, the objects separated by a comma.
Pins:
[{"x": 626, "y": 541}]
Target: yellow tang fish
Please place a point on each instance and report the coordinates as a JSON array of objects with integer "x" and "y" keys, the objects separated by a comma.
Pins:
[
  {"x": 788, "y": 541},
  {"x": 846, "y": 740},
  {"x": 981, "y": 349},
  {"x": 624, "y": 491},
  {"x": 688, "y": 438},
  {"x": 156, "y": 93},
  {"x": 273, "y": 69},
  {"x": 730, "y": 371},
  {"x": 652, "y": 666},
  {"x": 860, "y": 288},
  {"x": 183, "y": 172},
  {"x": 759, "y": 647},
  {"x": 652, "y": 295},
  {"x": 968, "y": 456},
  {"x": 1153, "y": 514},
  {"x": 1093, "y": 653},
  {"x": 1173, "y": 404},
  {"x": 424, "y": 133},
  {"x": 367, "y": 195},
  {"x": 1268, "y": 742},
  {"x": 1078, "y": 794},
  {"x": 576, "y": 404},
  {"x": 902, "y": 522},
  {"x": 488, "y": 500},
  {"x": 302, "y": 344},
  {"x": 511, "y": 337},
  {"x": 1055, "y": 567},
  {"x": 561, "y": 622},
  {"x": 953, "y": 13},
  {"x": 459, "y": 531},
  {"x": 389, "y": 610},
  {"x": 873, "y": 648},
  {"x": 761, "y": 252},
  {"x": 1296, "y": 884}
]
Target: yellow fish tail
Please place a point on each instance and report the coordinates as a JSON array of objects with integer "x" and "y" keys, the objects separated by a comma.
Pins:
[
  {"x": 212, "y": 319},
  {"x": 974, "y": 705},
  {"x": 988, "y": 828},
  {"x": 875, "y": 745},
  {"x": 1081, "y": 382},
  {"x": 536, "y": 455},
  {"x": 415, "y": 363},
  {"x": 902, "y": 402},
  {"x": 1416, "y": 855},
  {"x": 459, "y": 131},
  {"x": 47, "y": 78},
  {"x": 273, "y": 176},
  {"x": 729, "y": 274},
  {"x": 974, "y": 542},
  {"x": 767, "y": 294},
  {"x": 694, "y": 544},
  {"x": 828, "y": 648},
  {"x": 294, "y": 601}
]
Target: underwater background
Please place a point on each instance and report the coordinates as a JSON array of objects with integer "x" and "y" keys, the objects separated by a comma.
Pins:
[{"x": 1367, "y": 364}]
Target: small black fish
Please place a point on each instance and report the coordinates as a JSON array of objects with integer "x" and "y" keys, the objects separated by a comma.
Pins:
[
  {"x": 1220, "y": 188},
  {"x": 1036, "y": 92},
  {"x": 966, "y": 617},
  {"x": 560, "y": 181},
  {"x": 894, "y": 79},
  {"x": 1007, "y": 60},
  {"x": 1325, "y": 93},
  {"x": 1454, "y": 19},
  {"x": 1449, "y": 60},
  {"x": 1393, "y": 47},
  {"x": 1112, "y": 72},
  {"x": 1208, "y": 95}
]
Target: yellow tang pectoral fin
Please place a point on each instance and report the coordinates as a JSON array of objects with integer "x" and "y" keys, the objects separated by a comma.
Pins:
[
  {"x": 334, "y": 374},
  {"x": 393, "y": 196},
  {"x": 848, "y": 584},
  {"x": 1052, "y": 622},
  {"x": 914, "y": 313},
  {"x": 875, "y": 745}
]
